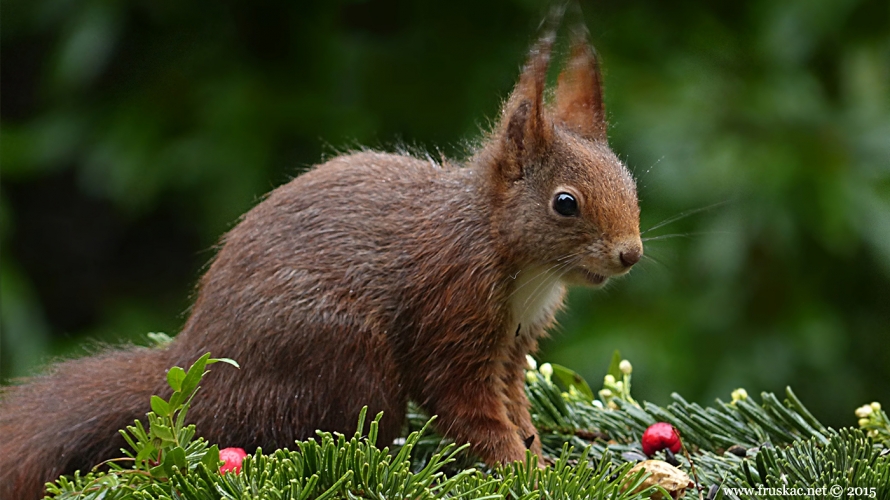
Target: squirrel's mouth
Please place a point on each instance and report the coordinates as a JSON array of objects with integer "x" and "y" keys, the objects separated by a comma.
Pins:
[
  {"x": 593, "y": 279},
  {"x": 581, "y": 276}
]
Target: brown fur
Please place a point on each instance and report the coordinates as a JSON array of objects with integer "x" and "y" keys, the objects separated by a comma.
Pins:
[{"x": 371, "y": 280}]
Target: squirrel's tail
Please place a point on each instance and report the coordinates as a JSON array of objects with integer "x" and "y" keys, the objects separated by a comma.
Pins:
[{"x": 69, "y": 420}]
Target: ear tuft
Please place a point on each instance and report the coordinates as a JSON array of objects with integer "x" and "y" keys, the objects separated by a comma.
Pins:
[
  {"x": 525, "y": 130},
  {"x": 517, "y": 125},
  {"x": 579, "y": 90}
]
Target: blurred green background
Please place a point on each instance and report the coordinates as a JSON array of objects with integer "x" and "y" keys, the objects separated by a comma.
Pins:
[{"x": 135, "y": 133}]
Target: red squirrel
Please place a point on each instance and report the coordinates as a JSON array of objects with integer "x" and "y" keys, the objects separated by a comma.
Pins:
[{"x": 372, "y": 279}]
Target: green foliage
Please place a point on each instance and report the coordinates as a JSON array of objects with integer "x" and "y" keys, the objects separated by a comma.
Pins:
[
  {"x": 166, "y": 450},
  {"x": 775, "y": 437},
  {"x": 334, "y": 467},
  {"x": 331, "y": 467},
  {"x": 589, "y": 445},
  {"x": 782, "y": 442},
  {"x": 848, "y": 460}
]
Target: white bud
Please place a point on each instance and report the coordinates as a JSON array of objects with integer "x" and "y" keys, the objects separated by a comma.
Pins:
[
  {"x": 531, "y": 377},
  {"x": 532, "y": 364},
  {"x": 605, "y": 394},
  {"x": 619, "y": 386},
  {"x": 863, "y": 422},
  {"x": 864, "y": 411},
  {"x": 609, "y": 380},
  {"x": 876, "y": 406},
  {"x": 597, "y": 403},
  {"x": 625, "y": 367},
  {"x": 546, "y": 370},
  {"x": 739, "y": 394}
]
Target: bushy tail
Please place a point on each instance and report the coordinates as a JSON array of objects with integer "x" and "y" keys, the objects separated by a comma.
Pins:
[{"x": 69, "y": 419}]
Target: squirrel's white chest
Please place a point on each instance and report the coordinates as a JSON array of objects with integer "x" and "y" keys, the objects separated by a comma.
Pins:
[{"x": 537, "y": 294}]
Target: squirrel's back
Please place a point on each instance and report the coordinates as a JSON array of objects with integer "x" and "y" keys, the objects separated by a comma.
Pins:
[
  {"x": 357, "y": 260},
  {"x": 347, "y": 240}
]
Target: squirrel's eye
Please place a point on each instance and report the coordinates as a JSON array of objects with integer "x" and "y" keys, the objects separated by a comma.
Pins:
[{"x": 565, "y": 204}]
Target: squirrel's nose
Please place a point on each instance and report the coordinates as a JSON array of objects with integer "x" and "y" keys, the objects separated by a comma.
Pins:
[
  {"x": 630, "y": 251},
  {"x": 630, "y": 257}
]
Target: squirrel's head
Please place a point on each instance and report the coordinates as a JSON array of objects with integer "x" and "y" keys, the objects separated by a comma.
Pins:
[{"x": 561, "y": 198}]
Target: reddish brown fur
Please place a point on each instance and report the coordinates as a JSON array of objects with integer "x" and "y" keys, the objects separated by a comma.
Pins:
[{"x": 373, "y": 279}]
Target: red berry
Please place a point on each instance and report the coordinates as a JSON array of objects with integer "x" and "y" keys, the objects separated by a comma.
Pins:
[
  {"x": 232, "y": 458},
  {"x": 660, "y": 436}
]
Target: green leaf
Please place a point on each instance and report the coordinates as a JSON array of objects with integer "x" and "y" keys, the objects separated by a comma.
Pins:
[
  {"x": 162, "y": 432},
  {"x": 180, "y": 419},
  {"x": 160, "y": 407},
  {"x": 571, "y": 379},
  {"x": 176, "y": 400},
  {"x": 173, "y": 457},
  {"x": 175, "y": 377},
  {"x": 224, "y": 360},
  {"x": 193, "y": 377},
  {"x": 211, "y": 458},
  {"x": 177, "y": 456},
  {"x": 146, "y": 453},
  {"x": 158, "y": 472}
]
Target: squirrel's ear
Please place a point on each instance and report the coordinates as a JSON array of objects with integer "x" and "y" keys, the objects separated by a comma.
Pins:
[
  {"x": 579, "y": 91},
  {"x": 525, "y": 130}
]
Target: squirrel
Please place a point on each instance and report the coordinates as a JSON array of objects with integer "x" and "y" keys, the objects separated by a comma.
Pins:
[{"x": 373, "y": 279}]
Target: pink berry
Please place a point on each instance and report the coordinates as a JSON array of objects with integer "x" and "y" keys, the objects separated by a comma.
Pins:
[
  {"x": 660, "y": 436},
  {"x": 232, "y": 458}
]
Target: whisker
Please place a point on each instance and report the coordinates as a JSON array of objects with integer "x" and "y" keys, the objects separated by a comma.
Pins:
[
  {"x": 653, "y": 259},
  {"x": 683, "y": 215},
  {"x": 566, "y": 271},
  {"x": 566, "y": 266},
  {"x": 564, "y": 257},
  {"x": 643, "y": 176},
  {"x": 561, "y": 271},
  {"x": 542, "y": 273},
  {"x": 681, "y": 235}
]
